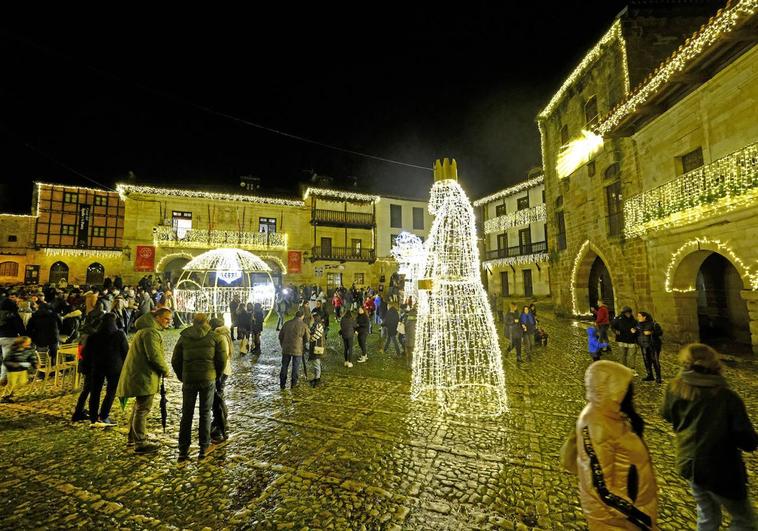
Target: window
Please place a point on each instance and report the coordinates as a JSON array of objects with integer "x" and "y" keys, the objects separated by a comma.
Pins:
[
  {"x": 68, "y": 230},
  {"x": 396, "y": 216},
  {"x": 505, "y": 289},
  {"x": 101, "y": 200},
  {"x": 522, "y": 203},
  {"x": 95, "y": 274},
  {"x": 500, "y": 210},
  {"x": 612, "y": 171},
  {"x": 591, "y": 168},
  {"x": 691, "y": 161},
  {"x": 528, "y": 288},
  {"x": 98, "y": 231},
  {"x": 12, "y": 238},
  {"x": 525, "y": 241},
  {"x": 502, "y": 244},
  {"x": 559, "y": 202},
  {"x": 560, "y": 223},
  {"x": 181, "y": 222},
  {"x": 564, "y": 135},
  {"x": 58, "y": 271},
  {"x": 358, "y": 279},
  {"x": 356, "y": 245},
  {"x": 615, "y": 208},
  {"x": 418, "y": 218},
  {"x": 70, "y": 197},
  {"x": 8, "y": 269},
  {"x": 590, "y": 111},
  {"x": 267, "y": 225}
]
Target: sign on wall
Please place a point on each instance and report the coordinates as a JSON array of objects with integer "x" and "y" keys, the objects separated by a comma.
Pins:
[
  {"x": 145, "y": 259},
  {"x": 82, "y": 239},
  {"x": 294, "y": 258}
]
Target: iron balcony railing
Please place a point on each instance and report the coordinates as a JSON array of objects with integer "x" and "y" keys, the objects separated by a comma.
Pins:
[
  {"x": 727, "y": 183},
  {"x": 197, "y": 238},
  {"x": 519, "y": 250},
  {"x": 343, "y": 254},
  {"x": 339, "y": 218}
]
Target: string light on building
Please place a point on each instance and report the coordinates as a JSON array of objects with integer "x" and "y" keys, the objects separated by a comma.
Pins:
[
  {"x": 169, "y": 257},
  {"x": 340, "y": 195},
  {"x": 725, "y": 21},
  {"x": 709, "y": 244},
  {"x": 516, "y": 219},
  {"x": 577, "y": 152},
  {"x": 517, "y": 260},
  {"x": 124, "y": 190},
  {"x": 18, "y": 216},
  {"x": 94, "y": 253},
  {"x": 716, "y": 188},
  {"x": 167, "y": 237},
  {"x": 278, "y": 261},
  {"x": 574, "y": 272},
  {"x": 520, "y": 187},
  {"x": 457, "y": 360}
]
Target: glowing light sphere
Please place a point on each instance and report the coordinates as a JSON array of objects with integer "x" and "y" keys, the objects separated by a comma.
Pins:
[
  {"x": 408, "y": 251},
  {"x": 457, "y": 360},
  {"x": 577, "y": 152},
  {"x": 210, "y": 281}
]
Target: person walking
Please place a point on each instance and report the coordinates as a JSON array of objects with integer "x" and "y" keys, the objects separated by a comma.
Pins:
[
  {"x": 347, "y": 332},
  {"x": 513, "y": 330},
  {"x": 44, "y": 329},
  {"x": 602, "y": 322},
  {"x": 649, "y": 339},
  {"x": 363, "y": 327},
  {"x": 256, "y": 327},
  {"x": 141, "y": 375},
  {"x": 606, "y": 449},
  {"x": 281, "y": 309},
  {"x": 316, "y": 352},
  {"x": 291, "y": 337},
  {"x": 199, "y": 359},
  {"x": 624, "y": 327},
  {"x": 529, "y": 327},
  {"x": 712, "y": 429},
  {"x": 104, "y": 354},
  {"x": 11, "y": 327},
  {"x": 21, "y": 358},
  {"x": 233, "y": 305},
  {"x": 220, "y": 421},
  {"x": 337, "y": 304},
  {"x": 244, "y": 326},
  {"x": 368, "y": 307},
  {"x": 390, "y": 320}
]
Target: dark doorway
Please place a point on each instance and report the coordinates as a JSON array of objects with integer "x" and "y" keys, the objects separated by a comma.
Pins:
[
  {"x": 601, "y": 286},
  {"x": 58, "y": 271},
  {"x": 95, "y": 274},
  {"x": 528, "y": 288},
  {"x": 173, "y": 269},
  {"x": 722, "y": 314}
]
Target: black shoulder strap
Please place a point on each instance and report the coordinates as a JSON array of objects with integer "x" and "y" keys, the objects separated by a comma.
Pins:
[{"x": 634, "y": 515}]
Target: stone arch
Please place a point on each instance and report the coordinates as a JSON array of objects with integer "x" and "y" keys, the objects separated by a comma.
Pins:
[
  {"x": 685, "y": 263},
  {"x": 163, "y": 262},
  {"x": 580, "y": 275},
  {"x": 278, "y": 268}
]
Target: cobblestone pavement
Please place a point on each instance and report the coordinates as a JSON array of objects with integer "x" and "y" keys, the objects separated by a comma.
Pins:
[{"x": 354, "y": 454}]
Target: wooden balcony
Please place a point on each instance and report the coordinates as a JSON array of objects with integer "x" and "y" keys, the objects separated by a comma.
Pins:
[
  {"x": 343, "y": 254},
  {"x": 339, "y": 218}
]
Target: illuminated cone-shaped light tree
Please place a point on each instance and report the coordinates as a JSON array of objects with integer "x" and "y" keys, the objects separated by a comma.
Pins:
[{"x": 456, "y": 359}]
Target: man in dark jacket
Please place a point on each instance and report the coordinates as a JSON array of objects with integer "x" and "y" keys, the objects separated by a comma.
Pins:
[
  {"x": 624, "y": 326},
  {"x": 11, "y": 327},
  {"x": 389, "y": 323},
  {"x": 44, "y": 329},
  {"x": 513, "y": 330},
  {"x": 291, "y": 337},
  {"x": 199, "y": 358}
]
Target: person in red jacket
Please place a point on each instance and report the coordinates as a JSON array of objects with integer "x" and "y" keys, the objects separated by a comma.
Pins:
[{"x": 603, "y": 323}]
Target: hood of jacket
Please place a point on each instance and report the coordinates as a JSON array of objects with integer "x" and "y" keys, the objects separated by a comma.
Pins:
[
  {"x": 606, "y": 383},
  {"x": 196, "y": 331},
  {"x": 146, "y": 321},
  {"x": 591, "y": 332},
  {"x": 699, "y": 379}
]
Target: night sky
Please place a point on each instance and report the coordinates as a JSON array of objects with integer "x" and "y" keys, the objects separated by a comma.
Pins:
[{"x": 104, "y": 94}]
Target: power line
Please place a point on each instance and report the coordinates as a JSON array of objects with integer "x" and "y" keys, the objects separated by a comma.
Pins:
[{"x": 209, "y": 110}]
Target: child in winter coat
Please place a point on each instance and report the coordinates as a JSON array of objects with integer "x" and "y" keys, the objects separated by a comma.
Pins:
[
  {"x": 594, "y": 345},
  {"x": 17, "y": 362}
]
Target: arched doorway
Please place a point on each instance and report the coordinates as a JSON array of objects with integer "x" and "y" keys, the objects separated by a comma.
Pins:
[
  {"x": 600, "y": 285},
  {"x": 277, "y": 269},
  {"x": 173, "y": 269},
  {"x": 58, "y": 271},
  {"x": 722, "y": 315},
  {"x": 95, "y": 274}
]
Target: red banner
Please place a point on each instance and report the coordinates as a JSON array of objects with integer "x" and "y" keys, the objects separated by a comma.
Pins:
[
  {"x": 145, "y": 259},
  {"x": 294, "y": 258}
]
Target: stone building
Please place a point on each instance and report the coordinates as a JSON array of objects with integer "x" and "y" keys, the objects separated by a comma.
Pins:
[
  {"x": 16, "y": 237},
  {"x": 514, "y": 253},
  {"x": 649, "y": 178}
]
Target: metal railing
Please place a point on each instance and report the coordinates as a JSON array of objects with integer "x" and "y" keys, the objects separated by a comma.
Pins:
[
  {"x": 346, "y": 254},
  {"x": 343, "y": 219},
  {"x": 726, "y": 183},
  {"x": 197, "y": 238},
  {"x": 519, "y": 250}
]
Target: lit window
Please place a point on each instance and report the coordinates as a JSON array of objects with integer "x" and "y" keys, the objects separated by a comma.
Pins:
[
  {"x": 98, "y": 231},
  {"x": 692, "y": 160},
  {"x": 12, "y": 238},
  {"x": 101, "y": 200},
  {"x": 182, "y": 222},
  {"x": 8, "y": 269},
  {"x": 70, "y": 197},
  {"x": 522, "y": 203},
  {"x": 500, "y": 210},
  {"x": 267, "y": 225},
  {"x": 68, "y": 230}
]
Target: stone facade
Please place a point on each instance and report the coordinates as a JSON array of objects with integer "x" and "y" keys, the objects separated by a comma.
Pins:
[{"x": 413, "y": 217}]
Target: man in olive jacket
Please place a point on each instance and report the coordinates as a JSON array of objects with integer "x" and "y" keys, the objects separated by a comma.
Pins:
[
  {"x": 292, "y": 336},
  {"x": 199, "y": 358},
  {"x": 141, "y": 375}
]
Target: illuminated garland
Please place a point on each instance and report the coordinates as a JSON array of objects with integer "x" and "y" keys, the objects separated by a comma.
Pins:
[
  {"x": 517, "y": 260},
  {"x": 125, "y": 189},
  {"x": 515, "y": 219},
  {"x": 721, "y": 248},
  {"x": 723, "y": 185},
  {"x": 22, "y": 216},
  {"x": 457, "y": 360},
  {"x": 227, "y": 260},
  {"x": 170, "y": 257},
  {"x": 282, "y": 267},
  {"x": 340, "y": 195},
  {"x": 167, "y": 237},
  {"x": 614, "y": 34},
  {"x": 574, "y": 272},
  {"x": 51, "y": 251},
  {"x": 531, "y": 183},
  {"x": 408, "y": 251},
  {"x": 723, "y": 22}
]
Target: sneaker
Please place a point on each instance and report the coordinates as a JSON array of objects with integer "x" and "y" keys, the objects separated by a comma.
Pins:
[
  {"x": 345, "y": 364},
  {"x": 362, "y": 359},
  {"x": 78, "y": 417},
  {"x": 149, "y": 448},
  {"x": 107, "y": 422},
  {"x": 183, "y": 456},
  {"x": 349, "y": 365}
]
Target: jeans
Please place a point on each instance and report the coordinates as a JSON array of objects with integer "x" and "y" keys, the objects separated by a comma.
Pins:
[
  {"x": 652, "y": 361},
  {"x": 393, "y": 338},
  {"x": 348, "y": 342},
  {"x": 189, "y": 396},
  {"x": 709, "y": 511},
  {"x": 219, "y": 423},
  {"x": 286, "y": 358},
  {"x": 86, "y": 388},
  {"x": 98, "y": 378},
  {"x": 138, "y": 421},
  {"x": 527, "y": 341},
  {"x": 362, "y": 343},
  {"x": 315, "y": 364},
  {"x": 626, "y": 348}
]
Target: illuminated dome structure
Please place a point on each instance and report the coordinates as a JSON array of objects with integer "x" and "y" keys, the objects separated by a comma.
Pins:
[{"x": 210, "y": 281}]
